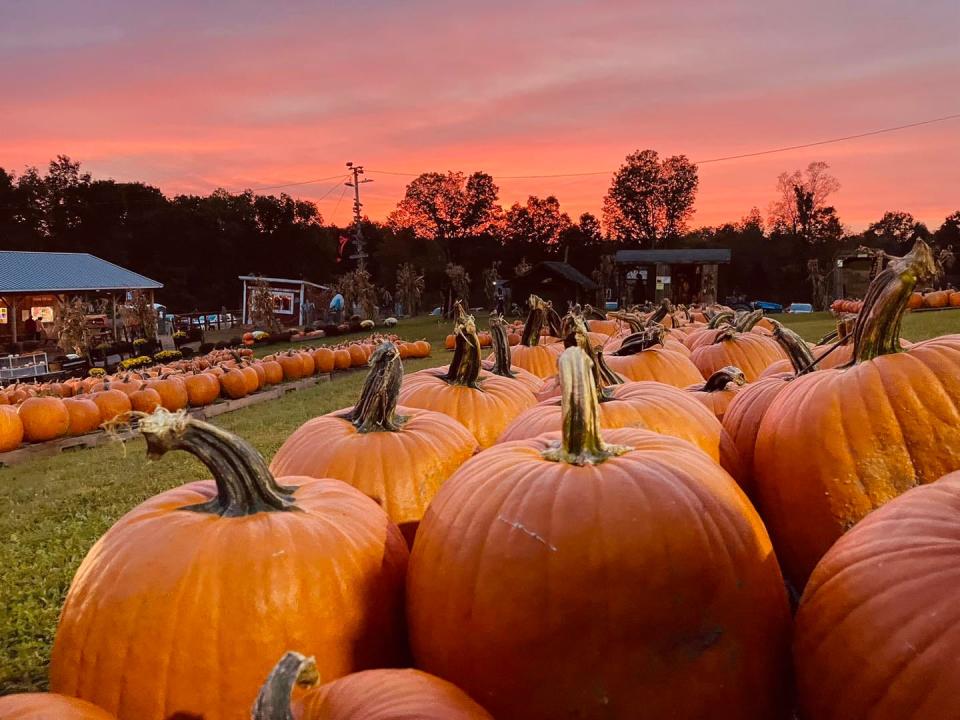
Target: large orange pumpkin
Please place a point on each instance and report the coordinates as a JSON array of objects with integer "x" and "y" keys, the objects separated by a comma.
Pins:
[
  {"x": 273, "y": 372},
  {"x": 484, "y": 403},
  {"x": 202, "y": 388},
  {"x": 641, "y": 356},
  {"x": 113, "y": 404},
  {"x": 749, "y": 351},
  {"x": 84, "y": 414},
  {"x": 341, "y": 359},
  {"x": 323, "y": 359},
  {"x": 172, "y": 391},
  {"x": 397, "y": 456},
  {"x": 49, "y": 706},
  {"x": 146, "y": 400},
  {"x": 233, "y": 384},
  {"x": 836, "y": 444},
  {"x": 11, "y": 428},
  {"x": 291, "y": 364},
  {"x": 217, "y": 579},
  {"x": 44, "y": 418},
  {"x": 532, "y": 355},
  {"x": 368, "y": 695},
  {"x": 616, "y": 576},
  {"x": 502, "y": 364},
  {"x": 877, "y": 628}
]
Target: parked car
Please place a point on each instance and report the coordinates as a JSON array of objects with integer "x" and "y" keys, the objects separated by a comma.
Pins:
[
  {"x": 800, "y": 308},
  {"x": 767, "y": 307}
]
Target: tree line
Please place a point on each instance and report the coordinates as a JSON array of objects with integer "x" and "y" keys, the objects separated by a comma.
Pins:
[{"x": 448, "y": 227}]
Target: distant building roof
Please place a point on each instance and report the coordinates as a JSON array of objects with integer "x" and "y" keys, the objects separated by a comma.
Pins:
[
  {"x": 254, "y": 278},
  {"x": 564, "y": 270},
  {"x": 43, "y": 272},
  {"x": 675, "y": 256}
]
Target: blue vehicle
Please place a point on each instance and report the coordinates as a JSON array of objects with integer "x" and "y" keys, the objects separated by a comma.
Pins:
[
  {"x": 800, "y": 308},
  {"x": 767, "y": 307}
]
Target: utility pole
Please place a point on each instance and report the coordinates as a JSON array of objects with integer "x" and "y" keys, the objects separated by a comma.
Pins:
[{"x": 359, "y": 255}]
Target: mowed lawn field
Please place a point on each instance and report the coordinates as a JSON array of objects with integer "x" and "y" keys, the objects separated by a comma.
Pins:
[{"x": 52, "y": 510}]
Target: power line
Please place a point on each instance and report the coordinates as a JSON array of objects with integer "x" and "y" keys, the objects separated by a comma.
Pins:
[
  {"x": 724, "y": 158},
  {"x": 336, "y": 207},
  {"x": 293, "y": 184}
]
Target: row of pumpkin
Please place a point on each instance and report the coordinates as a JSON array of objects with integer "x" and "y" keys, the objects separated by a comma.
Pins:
[
  {"x": 613, "y": 550},
  {"x": 39, "y": 412}
]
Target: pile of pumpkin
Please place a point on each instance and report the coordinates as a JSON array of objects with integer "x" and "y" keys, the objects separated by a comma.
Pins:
[
  {"x": 39, "y": 412},
  {"x": 934, "y": 299},
  {"x": 641, "y": 542}
]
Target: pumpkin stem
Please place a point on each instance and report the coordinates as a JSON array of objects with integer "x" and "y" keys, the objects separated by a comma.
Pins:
[
  {"x": 273, "y": 700},
  {"x": 376, "y": 410},
  {"x": 465, "y": 366},
  {"x": 877, "y": 329},
  {"x": 718, "y": 319},
  {"x": 640, "y": 341},
  {"x": 576, "y": 335},
  {"x": 723, "y": 377},
  {"x": 746, "y": 322},
  {"x": 534, "y": 323},
  {"x": 793, "y": 345},
  {"x": 593, "y": 314},
  {"x": 659, "y": 314},
  {"x": 554, "y": 323},
  {"x": 244, "y": 483},
  {"x": 581, "y": 443},
  {"x": 501, "y": 347}
]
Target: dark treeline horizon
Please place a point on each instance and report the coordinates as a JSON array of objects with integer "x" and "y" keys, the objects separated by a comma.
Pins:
[{"x": 197, "y": 246}]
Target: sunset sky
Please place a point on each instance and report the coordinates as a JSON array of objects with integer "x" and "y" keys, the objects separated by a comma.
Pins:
[{"x": 190, "y": 95}]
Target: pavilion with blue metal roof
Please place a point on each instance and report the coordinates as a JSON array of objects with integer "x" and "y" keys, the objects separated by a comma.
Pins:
[{"x": 31, "y": 280}]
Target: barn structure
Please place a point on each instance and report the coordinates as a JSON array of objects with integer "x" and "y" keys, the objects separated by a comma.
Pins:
[
  {"x": 558, "y": 282},
  {"x": 682, "y": 275}
]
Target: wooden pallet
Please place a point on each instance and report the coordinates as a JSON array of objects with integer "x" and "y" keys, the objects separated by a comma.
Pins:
[
  {"x": 34, "y": 451},
  {"x": 926, "y": 309}
]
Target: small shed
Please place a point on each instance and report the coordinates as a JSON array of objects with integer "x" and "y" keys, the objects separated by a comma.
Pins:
[
  {"x": 33, "y": 285},
  {"x": 558, "y": 282},
  {"x": 295, "y": 302},
  {"x": 683, "y": 275}
]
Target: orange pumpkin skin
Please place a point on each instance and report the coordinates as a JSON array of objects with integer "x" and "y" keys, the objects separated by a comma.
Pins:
[
  {"x": 658, "y": 364},
  {"x": 327, "y": 580},
  {"x": 936, "y": 299},
  {"x": 291, "y": 365},
  {"x": 719, "y": 390},
  {"x": 388, "y": 695},
  {"x": 341, "y": 359},
  {"x": 954, "y": 299},
  {"x": 750, "y": 352},
  {"x": 172, "y": 391},
  {"x": 540, "y": 360},
  {"x": 49, "y": 706},
  {"x": 915, "y": 301},
  {"x": 233, "y": 384},
  {"x": 272, "y": 371},
  {"x": 11, "y": 428},
  {"x": 876, "y": 631},
  {"x": 550, "y": 547},
  {"x": 202, "y": 389},
  {"x": 323, "y": 359},
  {"x": 251, "y": 378},
  {"x": 113, "y": 405},
  {"x": 44, "y": 418},
  {"x": 358, "y": 358},
  {"x": 146, "y": 400}
]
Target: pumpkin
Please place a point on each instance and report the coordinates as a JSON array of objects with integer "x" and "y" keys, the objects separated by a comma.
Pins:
[
  {"x": 213, "y": 579},
  {"x": 341, "y": 359},
  {"x": 11, "y": 428},
  {"x": 233, "y": 384},
  {"x": 248, "y": 339},
  {"x": 719, "y": 390},
  {"x": 44, "y": 418},
  {"x": 202, "y": 388},
  {"x": 548, "y": 572},
  {"x": 936, "y": 299},
  {"x": 640, "y": 358},
  {"x": 172, "y": 391},
  {"x": 708, "y": 333},
  {"x": 876, "y": 634},
  {"x": 128, "y": 384},
  {"x": 484, "y": 404},
  {"x": 836, "y": 444},
  {"x": 84, "y": 414},
  {"x": 113, "y": 404},
  {"x": 358, "y": 358},
  {"x": 146, "y": 400},
  {"x": 253, "y": 377},
  {"x": 309, "y": 366},
  {"x": 323, "y": 359},
  {"x": 736, "y": 345},
  {"x": 49, "y": 706},
  {"x": 273, "y": 372},
  {"x": 423, "y": 348},
  {"x": 502, "y": 364},
  {"x": 530, "y": 354},
  {"x": 954, "y": 299},
  {"x": 397, "y": 456},
  {"x": 368, "y": 695},
  {"x": 915, "y": 300},
  {"x": 291, "y": 365}
]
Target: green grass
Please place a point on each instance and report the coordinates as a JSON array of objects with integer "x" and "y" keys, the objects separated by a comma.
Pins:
[{"x": 53, "y": 509}]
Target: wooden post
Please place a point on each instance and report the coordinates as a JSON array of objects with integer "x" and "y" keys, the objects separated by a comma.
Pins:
[
  {"x": 113, "y": 302},
  {"x": 244, "y": 313},
  {"x": 302, "y": 319},
  {"x": 13, "y": 314}
]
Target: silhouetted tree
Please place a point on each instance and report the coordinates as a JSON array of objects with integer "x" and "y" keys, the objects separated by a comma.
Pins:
[{"x": 894, "y": 231}]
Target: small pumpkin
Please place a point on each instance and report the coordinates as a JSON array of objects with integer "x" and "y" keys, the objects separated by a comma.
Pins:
[
  {"x": 146, "y": 400},
  {"x": 719, "y": 390},
  {"x": 368, "y": 695},
  {"x": 84, "y": 414},
  {"x": 228, "y": 544},
  {"x": 323, "y": 359},
  {"x": 641, "y": 356},
  {"x": 44, "y": 418},
  {"x": 341, "y": 359},
  {"x": 233, "y": 384},
  {"x": 291, "y": 365},
  {"x": 172, "y": 391},
  {"x": 49, "y": 706},
  {"x": 502, "y": 364},
  {"x": 736, "y": 345},
  {"x": 530, "y": 354},
  {"x": 273, "y": 372},
  {"x": 203, "y": 388},
  {"x": 11, "y": 428},
  {"x": 113, "y": 404}
]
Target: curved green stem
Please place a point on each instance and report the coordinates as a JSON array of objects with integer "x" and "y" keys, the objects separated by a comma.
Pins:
[
  {"x": 534, "y": 323},
  {"x": 273, "y": 700},
  {"x": 877, "y": 329},
  {"x": 581, "y": 443},
  {"x": 746, "y": 322},
  {"x": 245, "y": 485},
  {"x": 553, "y": 321},
  {"x": 660, "y": 313},
  {"x": 576, "y": 335},
  {"x": 724, "y": 316},
  {"x": 501, "y": 347},
  {"x": 376, "y": 409},
  {"x": 638, "y": 342},
  {"x": 723, "y": 377},
  {"x": 794, "y": 346}
]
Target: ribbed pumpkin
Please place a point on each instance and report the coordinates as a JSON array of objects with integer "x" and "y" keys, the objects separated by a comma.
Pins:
[
  {"x": 502, "y": 363},
  {"x": 217, "y": 579},
  {"x": 84, "y": 414},
  {"x": 836, "y": 444},
  {"x": 291, "y": 365},
  {"x": 719, "y": 390},
  {"x": 202, "y": 388},
  {"x": 251, "y": 378},
  {"x": 708, "y": 333},
  {"x": 309, "y": 367},
  {"x": 323, "y": 359},
  {"x": 749, "y": 351},
  {"x": 876, "y": 634},
  {"x": 273, "y": 372},
  {"x": 405, "y": 694},
  {"x": 49, "y": 706},
  {"x": 358, "y": 358},
  {"x": 145, "y": 400},
  {"x": 641, "y": 356},
  {"x": 341, "y": 359},
  {"x": 936, "y": 299},
  {"x": 531, "y": 354},
  {"x": 622, "y": 576},
  {"x": 233, "y": 384},
  {"x": 484, "y": 404},
  {"x": 172, "y": 391},
  {"x": 113, "y": 404},
  {"x": 11, "y": 428},
  {"x": 127, "y": 384},
  {"x": 44, "y": 418},
  {"x": 397, "y": 456}
]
